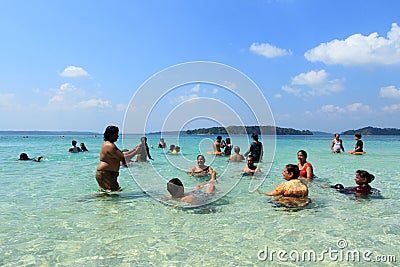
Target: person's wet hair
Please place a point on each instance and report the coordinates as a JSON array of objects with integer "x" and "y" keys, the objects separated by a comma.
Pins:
[
  {"x": 255, "y": 137},
  {"x": 366, "y": 175},
  {"x": 292, "y": 168},
  {"x": 174, "y": 186},
  {"x": 23, "y": 156},
  {"x": 110, "y": 130},
  {"x": 303, "y": 152}
]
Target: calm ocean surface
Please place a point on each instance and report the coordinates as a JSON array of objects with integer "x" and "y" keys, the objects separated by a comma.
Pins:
[{"x": 51, "y": 213}]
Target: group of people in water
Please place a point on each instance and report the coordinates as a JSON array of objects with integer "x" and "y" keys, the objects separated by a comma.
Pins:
[
  {"x": 76, "y": 149},
  {"x": 294, "y": 191}
]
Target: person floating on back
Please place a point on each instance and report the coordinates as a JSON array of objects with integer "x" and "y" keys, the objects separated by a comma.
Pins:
[{"x": 24, "y": 156}]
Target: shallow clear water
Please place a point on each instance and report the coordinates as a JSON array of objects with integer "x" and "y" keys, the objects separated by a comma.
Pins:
[{"x": 52, "y": 215}]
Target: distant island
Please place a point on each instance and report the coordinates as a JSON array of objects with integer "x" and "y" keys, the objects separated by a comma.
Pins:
[
  {"x": 27, "y": 133},
  {"x": 249, "y": 130},
  {"x": 373, "y": 131}
]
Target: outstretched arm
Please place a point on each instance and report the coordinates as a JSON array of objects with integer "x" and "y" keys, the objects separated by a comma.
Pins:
[
  {"x": 210, "y": 189},
  {"x": 131, "y": 153},
  {"x": 278, "y": 191}
]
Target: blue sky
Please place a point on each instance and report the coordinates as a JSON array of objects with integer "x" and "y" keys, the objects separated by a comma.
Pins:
[{"x": 321, "y": 65}]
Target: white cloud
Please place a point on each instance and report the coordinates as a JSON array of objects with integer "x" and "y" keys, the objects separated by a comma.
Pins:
[
  {"x": 121, "y": 107},
  {"x": 390, "y": 92},
  {"x": 391, "y": 108},
  {"x": 290, "y": 90},
  {"x": 215, "y": 91},
  {"x": 310, "y": 78},
  {"x": 183, "y": 98},
  {"x": 68, "y": 97},
  {"x": 230, "y": 85},
  {"x": 92, "y": 103},
  {"x": 278, "y": 96},
  {"x": 196, "y": 88},
  {"x": 64, "y": 93},
  {"x": 359, "y": 49},
  {"x": 268, "y": 50},
  {"x": 313, "y": 83},
  {"x": 74, "y": 72},
  {"x": 352, "y": 108}
]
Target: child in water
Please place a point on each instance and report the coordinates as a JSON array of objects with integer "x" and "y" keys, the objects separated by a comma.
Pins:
[{"x": 363, "y": 189}]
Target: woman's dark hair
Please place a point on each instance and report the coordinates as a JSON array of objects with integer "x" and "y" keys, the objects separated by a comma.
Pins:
[
  {"x": 292, "y": 168},
  {"x": 254, "y": 136},
  {"x": 198, "y": 156},
  {"x": 110, "y": 130},
  {"x": 173, "y": 186},
  {"x": 302, "y": 152},
  {"x": 23, "y": 156},
  {"x": 358, "y": 135},
  {"x": 365, "y": 174}
]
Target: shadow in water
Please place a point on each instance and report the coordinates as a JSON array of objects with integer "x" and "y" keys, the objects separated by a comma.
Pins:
[{"x": 112, "y": 196}]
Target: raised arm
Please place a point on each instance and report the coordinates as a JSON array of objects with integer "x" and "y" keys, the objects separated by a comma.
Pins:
[{"x": 213, "y": 174}]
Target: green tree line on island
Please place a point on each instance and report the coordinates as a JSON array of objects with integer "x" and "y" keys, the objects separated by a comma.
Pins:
[
  {"x": 249, "y": 130},
  {"x": 373, "y": 131}
]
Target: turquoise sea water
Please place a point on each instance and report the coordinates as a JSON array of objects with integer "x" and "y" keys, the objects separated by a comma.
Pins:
[{"x": 52, "y": 215}]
